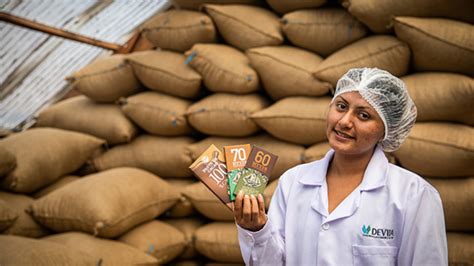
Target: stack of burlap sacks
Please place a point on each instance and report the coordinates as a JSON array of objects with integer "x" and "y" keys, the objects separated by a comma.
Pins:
[{"x": 104, "y": 178}]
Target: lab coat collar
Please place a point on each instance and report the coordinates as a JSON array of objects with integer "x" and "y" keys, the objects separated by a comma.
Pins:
[
  {"x": 316, "y": 175},
  {"x": 374, "y": 176}
]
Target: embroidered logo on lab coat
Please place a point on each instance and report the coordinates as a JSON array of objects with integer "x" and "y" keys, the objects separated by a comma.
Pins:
[{"x": 381, "y": 233}]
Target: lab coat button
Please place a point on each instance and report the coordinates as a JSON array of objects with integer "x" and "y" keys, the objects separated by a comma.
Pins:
[{"x": 325, "y": 226}]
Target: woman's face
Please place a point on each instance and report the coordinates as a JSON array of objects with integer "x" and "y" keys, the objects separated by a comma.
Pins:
[{"x": 353, "y": 126}]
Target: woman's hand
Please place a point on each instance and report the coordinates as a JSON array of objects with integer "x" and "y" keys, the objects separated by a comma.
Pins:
[{"x": 249, "y": 211}]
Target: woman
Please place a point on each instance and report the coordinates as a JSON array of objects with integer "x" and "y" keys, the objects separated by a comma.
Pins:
[{"x": 352, "y": 207}]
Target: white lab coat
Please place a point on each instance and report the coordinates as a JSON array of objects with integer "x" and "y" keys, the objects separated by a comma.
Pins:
[{"x": 404, "y": 213}]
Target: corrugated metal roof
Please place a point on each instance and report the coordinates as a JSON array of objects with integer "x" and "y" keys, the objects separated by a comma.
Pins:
[{"x": 35, "y": 64}]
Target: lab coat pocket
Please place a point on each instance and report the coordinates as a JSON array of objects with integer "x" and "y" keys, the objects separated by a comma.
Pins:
[{"x": 374, "y": 255}]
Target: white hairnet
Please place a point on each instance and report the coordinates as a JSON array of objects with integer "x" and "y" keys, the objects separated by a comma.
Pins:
[{"x": 388, "y": 95}]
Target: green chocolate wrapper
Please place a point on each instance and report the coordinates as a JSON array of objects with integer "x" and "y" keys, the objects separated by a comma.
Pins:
[
  {"x": 233, "y": 178},
  {"x": 251, "y": 182}
]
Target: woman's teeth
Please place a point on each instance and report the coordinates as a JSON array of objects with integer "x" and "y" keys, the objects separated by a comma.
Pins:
[{"x": 343, "y": 134}]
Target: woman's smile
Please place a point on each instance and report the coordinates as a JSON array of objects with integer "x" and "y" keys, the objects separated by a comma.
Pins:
[{"x": 342, "y": 136}]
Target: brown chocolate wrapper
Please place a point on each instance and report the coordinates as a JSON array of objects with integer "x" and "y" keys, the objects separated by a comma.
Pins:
[
  {"x": 261, "y": 160},
  {"x": 211, "y": 169},
  {"x": 236, "y": 156}
]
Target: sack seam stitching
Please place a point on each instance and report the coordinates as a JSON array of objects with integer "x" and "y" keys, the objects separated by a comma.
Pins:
[
  {"x": 362, "y": 57},
  {"x": 78, "y": 77},
  {"x": 440, "y": 143},
  {"x": 157, "y": 28},
  {"x": 322, "y": 23},
  {"x": 282, "y": 62},
  {"x": 164, "y": 71},
  {"x": 245, "y": 24},
  {"x": 171, "y": 113},
  {"x": 221, "y": 69},
  {"x": 287, "y": 116},
  {"x": 203, "y": 110},
  {"x": 434, "y": 36},
  {"x": 106, "y": 224}
]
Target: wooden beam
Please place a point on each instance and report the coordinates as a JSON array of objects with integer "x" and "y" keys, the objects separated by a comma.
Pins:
[{"x": 67, "y": 34}]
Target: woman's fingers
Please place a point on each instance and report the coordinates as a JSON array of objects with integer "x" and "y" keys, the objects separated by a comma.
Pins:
[
  {"x": 254, "y": 208},
  {"x": 247, "y": 209},
  {"x": 238, "y": 206},
  {"x": 261, "y": 204}
]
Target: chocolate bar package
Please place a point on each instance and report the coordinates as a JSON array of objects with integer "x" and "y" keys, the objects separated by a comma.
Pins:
[
  {"x": 254, "y": 177},
  {"x": 211, "y": 169},
  {"x": 236, "y": 158}
]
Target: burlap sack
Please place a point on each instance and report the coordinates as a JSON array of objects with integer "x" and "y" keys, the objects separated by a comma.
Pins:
[
  {"x": 108, "y": 251},
  {"x": 7, "y": 215},
  {"x": 300, "y": 120},
  {"x": 246, "y": 27},
  {"x": 285, "y": 6},
  {"x": 184, "y": 207},
  {"x": 179, "y": 30},
  {"x": 214, "y": 263},
  {"x": 23, "y": 225},
  {"x": 88, "y": 167},
  {"x": 206, "y": 203},
  {"x": 165, "y": 71},
  {"x": 378, "y": 14},
  {"x": 223, "y": 68},
  {"x": 159, "y": 239},
  {"x": 316, "y": 152},
  {"x": 457, "y": 196},
  {"x": 442, "y": 96},
  {"x": 106, "y": 79},
  {"x": 163, "y": 156},
  {"x": 295, "y": 65},
  {"x": 158, "y": 113},
  {"x": 17, "y": 250},
  {"x": 54, "y": 186},
  {"x": 188, "y": 227},
  {"x": 106, "y": 204},
  {"x": 289, "y": 155},
  {"x": 322, "y": 31},
  {"x": 382, "y": 51},
  {"x": 45, "y": 154},
  {"x": 268, "y": 193},
  {"x": 438, "y": 150},
  {"x": 219, "y": 241},
  {"x": 197, "y": 4},
  {"x": 438, "y": 44},
  {"x": 190, "y": 262},
  {"x": 460, "y": 249},
  {"x": 81, "y": 114},
  {"x": 7, "y": 161},
  {"x": 228, "y": 115}
]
